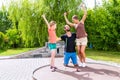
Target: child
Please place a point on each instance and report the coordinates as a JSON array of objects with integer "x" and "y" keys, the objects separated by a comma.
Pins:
[{"x": 52, "y": 41}]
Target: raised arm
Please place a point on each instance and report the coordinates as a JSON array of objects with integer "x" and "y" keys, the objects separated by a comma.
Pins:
[
  {"x": 85, "y": 13},
  {"x": 67, "y": 21},
  {"x": 43, "y": 16}
]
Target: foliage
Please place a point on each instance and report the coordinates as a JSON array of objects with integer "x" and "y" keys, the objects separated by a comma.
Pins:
[
  {"x": 103, "y": 27},
  {"x": 5, "y": 23},
  {"x": 2, "y": 40},
  {"x": 26, "y": 17},
  {"x": 13, "y": 38},
  {"x": 29, "y": 29}
]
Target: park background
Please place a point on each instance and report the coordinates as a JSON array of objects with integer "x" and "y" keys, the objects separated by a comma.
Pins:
[{"x": 22, "y": 27}]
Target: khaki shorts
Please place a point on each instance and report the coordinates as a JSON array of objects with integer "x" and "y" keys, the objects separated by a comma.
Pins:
[{"x": 82, "y": 41}]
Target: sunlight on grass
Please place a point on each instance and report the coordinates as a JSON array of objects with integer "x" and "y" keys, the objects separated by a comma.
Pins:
[
  {"x": 10, "y": 52},
  {"x": 103, "y": 55},
  {"x": 93, "y": 54}
]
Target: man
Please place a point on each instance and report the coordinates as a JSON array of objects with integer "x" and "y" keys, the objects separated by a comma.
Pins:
[{"x": 70, "y": 52}]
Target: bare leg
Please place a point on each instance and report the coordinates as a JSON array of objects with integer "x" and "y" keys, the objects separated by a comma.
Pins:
[
  {"x": 82, "y": 50},
  {"x": 80, "y": 57},
  {"x": 53, "y": 53}
]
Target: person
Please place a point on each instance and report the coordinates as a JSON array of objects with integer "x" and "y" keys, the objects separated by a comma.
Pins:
[
  {"x": 81, "y": 35},
  {"x": 70, "y": 52},
  {"x": 52, "y": 41}
]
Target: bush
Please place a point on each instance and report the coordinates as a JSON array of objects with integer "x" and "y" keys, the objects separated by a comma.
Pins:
[
  {"x": 13, "y": 38},
  {"x": 1, "y": 40},
  {"x": 103, "y": 29}
]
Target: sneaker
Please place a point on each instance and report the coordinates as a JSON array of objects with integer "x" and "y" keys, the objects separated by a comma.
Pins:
[{"x": 83, "y": 65}]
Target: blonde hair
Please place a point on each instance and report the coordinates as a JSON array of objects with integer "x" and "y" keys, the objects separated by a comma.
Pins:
[{"x": 52, "y": 23}]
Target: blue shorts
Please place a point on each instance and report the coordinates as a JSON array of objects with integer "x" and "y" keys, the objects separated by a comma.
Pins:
[
  {"x": 52, "y": 46},
  {"x": 67, "y": 57}
]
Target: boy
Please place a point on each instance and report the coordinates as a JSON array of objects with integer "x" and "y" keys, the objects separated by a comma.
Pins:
[{"x": 52, "y": 41}]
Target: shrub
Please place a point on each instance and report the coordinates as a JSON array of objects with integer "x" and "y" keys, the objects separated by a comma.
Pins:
[
  {"x": 13, "y": 38},
  {"x": 2, "y": 43}
]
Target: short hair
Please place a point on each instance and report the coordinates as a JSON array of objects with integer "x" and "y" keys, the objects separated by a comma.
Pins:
[
  {"x": 66, "y": 27},
  {"x": 75, "y": 17},
  {"x": 52, "y": 23}
]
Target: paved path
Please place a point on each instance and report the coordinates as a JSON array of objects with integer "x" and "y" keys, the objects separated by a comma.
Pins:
[{"x": 22, "y": 69}]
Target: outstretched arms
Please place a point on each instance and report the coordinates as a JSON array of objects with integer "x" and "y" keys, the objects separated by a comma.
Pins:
[
  {"x": 67, "y": 21},
  {"x": 85, "y": 13},
  {"x": 43, "y": 16}
]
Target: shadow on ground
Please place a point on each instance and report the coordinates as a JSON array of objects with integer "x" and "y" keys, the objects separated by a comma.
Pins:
[{"x": 87, "y": 73}]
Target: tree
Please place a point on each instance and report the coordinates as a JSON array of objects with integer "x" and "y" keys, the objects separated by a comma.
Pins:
[
  {"x": 27, "y": 15},
  {"x": 103, "y": 26},
  {"x": 5, "y": 23}
]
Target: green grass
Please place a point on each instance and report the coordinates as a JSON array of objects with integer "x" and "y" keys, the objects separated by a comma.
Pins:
[
  {"x": 103, "y": 55},
  {"x": 10, "y": 52},
  {"x": 93, "y": 54}
]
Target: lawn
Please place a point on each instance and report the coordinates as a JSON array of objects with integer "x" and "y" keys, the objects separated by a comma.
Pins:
[
  {"x": 103, "y": 55},
  {"x": 93, "y": 54},
  {"x": 10, "y": 52}
]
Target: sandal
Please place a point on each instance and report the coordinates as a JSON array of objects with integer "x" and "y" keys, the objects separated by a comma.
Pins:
[
  {"x": 77, "y": 70},
  {"x": 51, "y": 67}
]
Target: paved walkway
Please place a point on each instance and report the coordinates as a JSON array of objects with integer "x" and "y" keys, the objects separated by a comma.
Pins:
[{"x": 22, "y": 69}]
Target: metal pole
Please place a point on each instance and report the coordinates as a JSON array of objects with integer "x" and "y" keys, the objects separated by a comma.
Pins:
[{"x": 95, "y": 4}]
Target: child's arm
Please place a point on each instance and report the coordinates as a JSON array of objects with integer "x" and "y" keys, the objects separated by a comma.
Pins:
[
  {"x": 67, "y": 21},
  {"x": 59, "y": 39},
  {"x": 85, "y": 13},
  {"x": 43, "y": 16}
]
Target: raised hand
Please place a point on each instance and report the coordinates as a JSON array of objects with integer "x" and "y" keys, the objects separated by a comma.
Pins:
[
  {"x": 83, "y": 6},
  {"x": 65, "y": 13},
  {"x": 46, "y": 21},
  {"x": 43, "y": 15}
]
